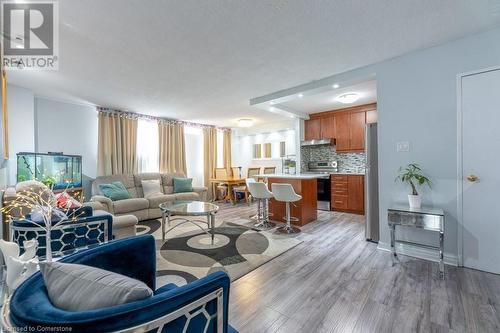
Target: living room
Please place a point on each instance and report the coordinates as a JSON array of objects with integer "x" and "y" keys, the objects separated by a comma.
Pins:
[{"x": 250, "y": 167}]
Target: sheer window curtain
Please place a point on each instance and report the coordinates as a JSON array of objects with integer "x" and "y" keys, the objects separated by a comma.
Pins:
[
  {"x": 193, "y": 137},
  {"x": 148, "y": 146},
  {"x": 117, "y": 144}
]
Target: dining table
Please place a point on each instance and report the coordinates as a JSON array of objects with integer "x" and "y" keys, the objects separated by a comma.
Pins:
[{"x": 230, "y": 182}]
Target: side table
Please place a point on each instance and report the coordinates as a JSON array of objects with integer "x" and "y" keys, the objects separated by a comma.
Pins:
[{"x": 426, "y": 218}]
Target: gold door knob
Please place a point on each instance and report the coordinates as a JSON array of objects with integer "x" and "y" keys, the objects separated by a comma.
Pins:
[{"x": 472, "y": 178}]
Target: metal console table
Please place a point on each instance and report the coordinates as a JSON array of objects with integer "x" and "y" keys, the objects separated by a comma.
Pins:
[{"x": 426, "y": 218}]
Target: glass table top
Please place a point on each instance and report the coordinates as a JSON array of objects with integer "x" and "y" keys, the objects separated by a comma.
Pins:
[
  {"x": 189, "y": 207},
  {"x": 422, "y": 210}
]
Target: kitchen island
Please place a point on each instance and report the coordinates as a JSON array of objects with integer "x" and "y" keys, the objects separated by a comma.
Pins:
[{"x": 305, "y": 210}]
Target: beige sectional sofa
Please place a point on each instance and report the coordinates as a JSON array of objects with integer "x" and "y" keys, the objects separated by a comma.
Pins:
[{"x": 137, "y": 205}]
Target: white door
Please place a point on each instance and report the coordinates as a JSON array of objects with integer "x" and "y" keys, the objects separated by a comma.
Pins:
[{"x": 481, "y": 170}]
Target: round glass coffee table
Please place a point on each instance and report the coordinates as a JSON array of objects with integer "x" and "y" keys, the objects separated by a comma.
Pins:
[{"x": 183, "y": 209}]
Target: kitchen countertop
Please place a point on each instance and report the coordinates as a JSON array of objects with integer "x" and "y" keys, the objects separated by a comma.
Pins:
[
  {"x": 305, "y": 175},
  {"x": 348, "y": 173}
]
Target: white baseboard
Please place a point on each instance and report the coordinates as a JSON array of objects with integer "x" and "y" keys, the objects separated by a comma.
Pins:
[{"x": 420, "y": 252}]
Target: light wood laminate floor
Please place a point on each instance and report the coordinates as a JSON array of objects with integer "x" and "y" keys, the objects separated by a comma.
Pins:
[{"x": 335, "y": 281}]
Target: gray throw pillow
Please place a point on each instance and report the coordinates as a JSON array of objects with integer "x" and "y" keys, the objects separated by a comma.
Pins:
[{"x": 74, "y": 287}]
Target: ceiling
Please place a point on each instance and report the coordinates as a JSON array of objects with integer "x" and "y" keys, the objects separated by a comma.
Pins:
[
  {"x": 203, "y": 60},
  {"x": 326, "y": 101}
]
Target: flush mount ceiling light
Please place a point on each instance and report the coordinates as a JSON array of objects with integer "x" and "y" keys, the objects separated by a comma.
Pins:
[
  {"x": 335, "y": 86},
  {"x": 348, "y": 98},
  {"x": 300, "y": 95},
  {"x": 245, "y": 122}
]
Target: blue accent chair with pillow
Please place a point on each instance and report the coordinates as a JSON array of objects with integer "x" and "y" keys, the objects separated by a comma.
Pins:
[{"x": 200, "y": 306}]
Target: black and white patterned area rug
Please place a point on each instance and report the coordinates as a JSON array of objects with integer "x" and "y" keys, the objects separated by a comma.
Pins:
[{"x": 187, "y": 253}]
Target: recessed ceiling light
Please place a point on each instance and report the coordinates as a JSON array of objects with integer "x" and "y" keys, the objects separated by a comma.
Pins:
[
  {"x": 272, "y": 102},
  {"x": 348, "y": 98},
  {"x": 272, "y": 108},
  {"x": 245, "y": 122},
  {"x": 300, "y": 95},
  {"x": 335, "y": 86}
]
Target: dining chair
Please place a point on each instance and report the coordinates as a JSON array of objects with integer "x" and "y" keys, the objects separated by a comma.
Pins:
[
  {"x": 221, "y": 189},
  {"x": 251, "y": 173},
  {"x": 267, "y": 171},
  {"x": 236, "y": 172}
]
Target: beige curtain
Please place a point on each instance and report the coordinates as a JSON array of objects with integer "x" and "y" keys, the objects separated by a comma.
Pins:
[
  {"x": 226, "y": 152},
  {"x": 117, "y": 147},
  {"x": 172, "y": 147},
  {"x": 209, "y": 157}
]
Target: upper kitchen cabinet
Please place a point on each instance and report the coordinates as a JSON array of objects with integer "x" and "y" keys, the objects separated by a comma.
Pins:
[
  {"x": 312, "y": 129},
  {"x": 327, "y": 127},
  {"x": 342, "y": 135},
  {"x": 371, "y": 116},
  {"x": 357, "y": 131},
  {"x": 350, "y": 131},
  {"x": 346, "y": 126}
]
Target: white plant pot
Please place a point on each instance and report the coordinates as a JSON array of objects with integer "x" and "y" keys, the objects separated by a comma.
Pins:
[{"x": 415, "y": 201}]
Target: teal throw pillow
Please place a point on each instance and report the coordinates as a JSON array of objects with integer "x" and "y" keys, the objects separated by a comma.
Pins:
[
  {"x": 115, "y": 191},
  {"x": 183, "y": 185}
]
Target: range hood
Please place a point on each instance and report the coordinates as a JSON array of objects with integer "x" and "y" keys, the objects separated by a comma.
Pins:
[{"x": 322, "y": 142}]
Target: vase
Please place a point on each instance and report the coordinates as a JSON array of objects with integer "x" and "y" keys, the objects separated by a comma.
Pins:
[{"x": 415, "y": 201}]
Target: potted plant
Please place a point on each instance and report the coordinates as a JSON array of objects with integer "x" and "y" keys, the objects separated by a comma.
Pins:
[{"x": 412, "y": 175}]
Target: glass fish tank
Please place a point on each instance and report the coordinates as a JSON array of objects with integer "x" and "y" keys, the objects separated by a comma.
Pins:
[{"x": 55, "y": 170}]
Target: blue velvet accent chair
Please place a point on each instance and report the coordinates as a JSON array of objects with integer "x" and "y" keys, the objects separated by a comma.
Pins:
[
  {"x": 86, "y": 230},
  {"x": 202, "y": 305}
]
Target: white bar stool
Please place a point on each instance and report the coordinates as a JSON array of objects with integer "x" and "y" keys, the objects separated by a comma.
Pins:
[
  {"x": 285, "y": 193},
  {"x": 260, "y": 192}
]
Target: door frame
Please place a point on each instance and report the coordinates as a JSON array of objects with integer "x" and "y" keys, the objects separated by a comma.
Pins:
[{"x": 460, "y": 184}]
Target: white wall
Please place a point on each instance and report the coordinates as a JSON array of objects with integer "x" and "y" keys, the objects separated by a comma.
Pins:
[
  {"x": 20, "y": 106},
  {"x": 242, "y": 149},
  {"x": 417, "y": 102},
  {"x": 71, "y": 129}
]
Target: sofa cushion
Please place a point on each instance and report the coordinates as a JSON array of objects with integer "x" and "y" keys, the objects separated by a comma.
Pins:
[
  {"x": 156, "y": 200},
  {"x": 139, "y": 177},
  {"x": 114, "y": 191},
  {"x": 182, "y": 185},
  {"x": 130, "y": 205},
  {"x": 187, "y": 196},
  {"x": 151, "y": 187},
  {"x": 127, "y": 181},
  {"x": 74, "y": 287}
]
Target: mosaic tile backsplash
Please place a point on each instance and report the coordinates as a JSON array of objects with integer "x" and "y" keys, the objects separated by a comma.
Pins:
[{"x": 347, "y": 162}]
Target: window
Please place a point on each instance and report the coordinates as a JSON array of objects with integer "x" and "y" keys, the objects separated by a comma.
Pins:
[
  {"x": 193, "y": 141},
  {"x": 148, "y": 146}
]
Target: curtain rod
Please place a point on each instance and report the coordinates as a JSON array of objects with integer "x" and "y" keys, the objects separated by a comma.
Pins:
[{"x": 133, "y": 115}]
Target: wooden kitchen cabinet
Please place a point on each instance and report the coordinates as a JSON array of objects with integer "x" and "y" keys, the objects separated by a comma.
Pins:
[
  {"x": 356, "y": 193},
  {"x": 312, "y": 129},
  {"x": 346, "y": 126},
  {"x": 357, "y": 131},
  {"x": 348, "y": 193},
  {"x": 327, "y": 126},
  {"x": 342, "y": 123}
]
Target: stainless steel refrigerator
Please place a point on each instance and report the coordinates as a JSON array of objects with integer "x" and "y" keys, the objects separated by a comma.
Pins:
[{"x": 371, "y": 184}]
